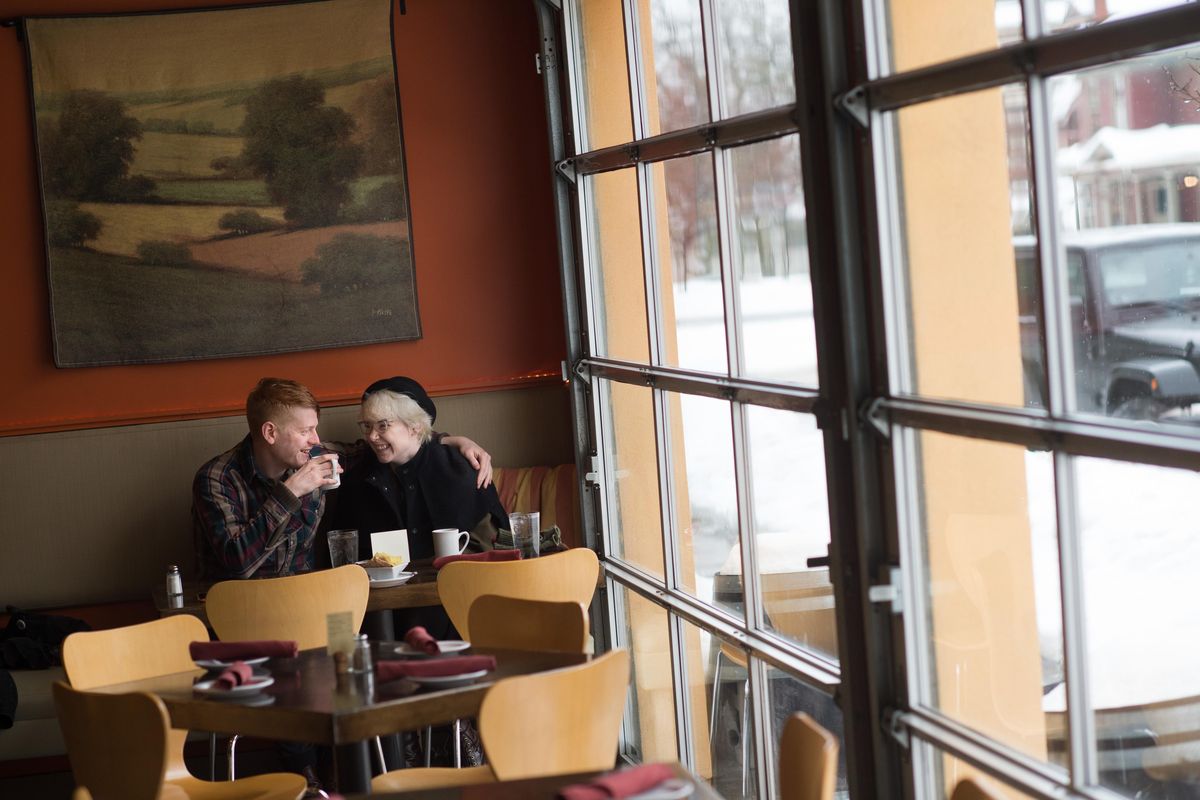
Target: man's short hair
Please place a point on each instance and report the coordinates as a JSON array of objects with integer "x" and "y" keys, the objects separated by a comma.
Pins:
[{"x": 273, "y": 397}]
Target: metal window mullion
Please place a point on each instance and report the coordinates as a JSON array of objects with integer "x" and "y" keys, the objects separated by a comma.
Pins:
[
  {"x": 744, "y": 390},
  {"x": 575, "y": 77},
  {"x": 668, "y": 519},
  {"x": 893, "y": 265},
  {"x": 1032, "y": 20},
  {"x": 633, "y": 59},
  {"x": 875, "y": 32},
  {"x": 646, "y": 210},
  {"x": 914, "y": 573},
  {"x": 760, "y": 724},
  {"x": 685, "y": 741},
  {"x": 617, "y": 634},
  {"x": 712, "y": 57},
  {"x": 1081, "y": 722},
  {"x": 723, "y": 186}
]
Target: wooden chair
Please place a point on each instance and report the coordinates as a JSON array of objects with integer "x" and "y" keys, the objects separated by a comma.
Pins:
[
  {"x": 566, "y": 576},
  {"x": 293, "y": 607},
  {"x": 975, "y": 788},
  {"x": 517, "y": 624},
  {"x": 550, "y": 723},
  {"x": 808, "y": 760},
  {"x": 120, "y": 749}
]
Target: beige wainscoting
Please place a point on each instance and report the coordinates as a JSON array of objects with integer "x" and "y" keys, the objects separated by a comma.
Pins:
[{"x": 96, "y": 515}]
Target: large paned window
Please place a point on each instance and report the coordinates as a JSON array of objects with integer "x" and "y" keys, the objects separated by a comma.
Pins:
[
  {"x": 1040, "y": 270},
  {"x": 701, "y": 362}
]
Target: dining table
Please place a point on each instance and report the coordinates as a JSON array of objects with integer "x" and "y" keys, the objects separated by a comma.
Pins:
[
  {"x": 311, "y": 701},
  {"x": 547, "y": 788}
]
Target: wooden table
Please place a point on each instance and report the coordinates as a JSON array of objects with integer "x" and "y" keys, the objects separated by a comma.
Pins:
[
  {"x": 534, "y": 789},
  {"x": 415, "y": 593},
  {"x": 311, "y": 703}
]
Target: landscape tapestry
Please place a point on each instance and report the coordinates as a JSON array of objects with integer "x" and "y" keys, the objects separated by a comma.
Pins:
[{"x": 223, "y": 182}]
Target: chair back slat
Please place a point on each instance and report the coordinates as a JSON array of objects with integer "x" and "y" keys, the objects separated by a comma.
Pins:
[
  {"x": 808, "y": 760},
  {"x": 515, "y": 623}
]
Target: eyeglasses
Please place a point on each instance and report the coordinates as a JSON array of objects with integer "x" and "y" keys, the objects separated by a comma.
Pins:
[{"x": 380, "y": 426}]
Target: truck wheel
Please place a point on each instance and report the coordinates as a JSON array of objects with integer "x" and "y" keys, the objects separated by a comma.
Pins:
[{"x": 1138, "y": 406}]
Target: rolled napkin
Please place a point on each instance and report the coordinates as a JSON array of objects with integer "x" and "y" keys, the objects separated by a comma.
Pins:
[
  {"x": 621, "y": 783},
  {"x": 419, "y": 639},
  {"x": 235, "y": 674},
  {"x": 487, "y": 555},
  {"x": 236, "y": 651},
  {"x": 435, "y": 667}
]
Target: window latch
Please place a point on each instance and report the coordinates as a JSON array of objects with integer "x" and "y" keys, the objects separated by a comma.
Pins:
[
  {"x": 889, "y": 592},
  {"x": 593, "y": 477}
]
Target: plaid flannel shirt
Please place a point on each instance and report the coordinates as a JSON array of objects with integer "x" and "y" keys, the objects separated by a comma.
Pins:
[{"x": 246, "y": 524}]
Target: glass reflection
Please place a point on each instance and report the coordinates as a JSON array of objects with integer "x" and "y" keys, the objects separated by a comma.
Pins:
[
  {"x": 918, "y": 38},
  {"x": 754, "y": 37},
  {"x": 706, "y": 497},
  {"x": 676, "y": 61},
  {"x": 770, "y": 254},
  {"x": 1141, "y": 555},
  {"x": 693, "y": 305},
  {"x": 619, "y": 289},
  {"x": 791, "y": 525},
  {"x": 724, "y": 738},
  {"x": 1128, "y": 214},
  {"x": 605, "y": 76},
  {"x": 1081, "y": 13},
  {"x": 787, "y": 696},
  {"x": 992, "y": 590},
  {"x": 634, "y": 514}
]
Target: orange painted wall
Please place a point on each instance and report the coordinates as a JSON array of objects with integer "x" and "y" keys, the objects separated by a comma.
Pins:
[{"x": 482, "y": 220}]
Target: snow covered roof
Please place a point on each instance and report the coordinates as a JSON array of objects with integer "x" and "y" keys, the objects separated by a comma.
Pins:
[{"x": 1121, "y": 150}]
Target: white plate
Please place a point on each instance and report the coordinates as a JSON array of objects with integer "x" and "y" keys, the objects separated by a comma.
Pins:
[
  {"x": 444, "y": 646},
  {"x": 213, "y": 663},
  {"x": 396, "y": 581},
  {"x": 447, "y": 681},
  {"x": 670, "y": 789},
  {"x": 211, "y": 689}
]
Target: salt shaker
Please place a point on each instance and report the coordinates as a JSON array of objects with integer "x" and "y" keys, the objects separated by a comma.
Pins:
[
  {"x": 360, "y": 658},
  {"x": 174, "y": 582}
]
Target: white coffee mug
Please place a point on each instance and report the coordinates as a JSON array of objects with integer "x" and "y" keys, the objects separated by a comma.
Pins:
[
  {"x": 449, "y": 542},
  {"x": 337, "y": 477}
]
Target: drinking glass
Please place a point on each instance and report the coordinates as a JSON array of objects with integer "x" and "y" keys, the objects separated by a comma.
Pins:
[
  {"x": 343, "y": 547},
  {"x": 526, "y": 531}
]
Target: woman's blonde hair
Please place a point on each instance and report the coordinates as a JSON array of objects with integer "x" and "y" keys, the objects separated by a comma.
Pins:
[{"x": 386, "y": 404}]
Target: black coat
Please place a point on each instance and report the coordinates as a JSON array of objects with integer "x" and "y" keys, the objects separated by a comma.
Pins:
[{"x": 436, "y": 489}]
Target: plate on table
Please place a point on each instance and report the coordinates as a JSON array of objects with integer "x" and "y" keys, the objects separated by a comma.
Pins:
[
  {"x": 670, "y": 789},
  {"x": 396, "y": 581},
  {"x": 216, "y": 663},
  {"x": 211, "y": 689},
  {"x": 447, "y": 681},
  {"x": 445, "y": 646}
]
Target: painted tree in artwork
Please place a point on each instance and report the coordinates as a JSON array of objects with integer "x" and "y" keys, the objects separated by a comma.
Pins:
[
  {"x": 86, "y": 151},
  {"x": 302, "y": 148}
]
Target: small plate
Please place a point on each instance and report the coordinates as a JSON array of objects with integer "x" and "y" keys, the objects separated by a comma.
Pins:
[
  {"x": 447, "y": 681},
  {"x": 213, "y": 663},
  {"x": 396, "y": 581},
  {"x": 445, "y": 646},
  {"x": 255, "y": 684},
  {"x": 670, "y": 789}
]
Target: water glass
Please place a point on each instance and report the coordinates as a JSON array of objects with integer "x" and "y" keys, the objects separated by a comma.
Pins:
[
  {"x": 343, "y": 547},
  {"x": 527, "y": 532}
]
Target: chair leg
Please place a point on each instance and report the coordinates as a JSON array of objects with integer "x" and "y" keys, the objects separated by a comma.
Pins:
[
  {"x": 230, "y": 750},
  {"x": 716, "y": 697},
  {"x": 379, "y": 754},
  {"x": 745, "y": 735},
  {"x": 428, "y": 745},
  {"x": 457, "y": 744},
  {"x": 212, "y": 756}
]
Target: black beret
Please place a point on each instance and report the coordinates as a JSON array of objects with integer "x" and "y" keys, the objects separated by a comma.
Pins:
[{"x": 405, "y": 386}]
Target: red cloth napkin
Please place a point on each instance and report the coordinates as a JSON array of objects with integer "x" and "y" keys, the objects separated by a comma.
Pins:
[
  {"x": 419, "y": 639},
  {"x": 235, "y": 674},
  {"x": 235, "y": 651},
  {"x": 621, "y": 783},
  {"x": 391, "y": 670},
  {"x": 487, "y": 555}
]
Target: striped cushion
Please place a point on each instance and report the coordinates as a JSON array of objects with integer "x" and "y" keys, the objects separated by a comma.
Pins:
[{"x": 554, "y": 491}]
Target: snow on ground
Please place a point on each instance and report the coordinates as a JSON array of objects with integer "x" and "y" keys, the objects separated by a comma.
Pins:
[{"x": 1140, "y": 544}]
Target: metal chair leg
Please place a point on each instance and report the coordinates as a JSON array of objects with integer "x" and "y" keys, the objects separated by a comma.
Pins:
[
  {"x": 379, "y": 754},
  {"x": 229, "y": 749},
  {"x": 745, "y": 735},
  {"x": 716, "y": 697},
  {"x": 429, "y": 745},
  {"x": 212, "y": 756},
  {"x": 457, "y": 744}
]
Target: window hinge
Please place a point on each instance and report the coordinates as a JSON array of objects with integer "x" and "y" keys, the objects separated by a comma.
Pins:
[
  {"x": 537, "y": 62},
  {"x": 889, "y": 592},
  {"x": 873, "y": 414},
  {"x": 566, "y": 169},
  {"x": 593, "y": 477},
  {"x": 581, "y": 370},
  {"x": 893, "y": 725},
  {"x": 854, "y": 104}
]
